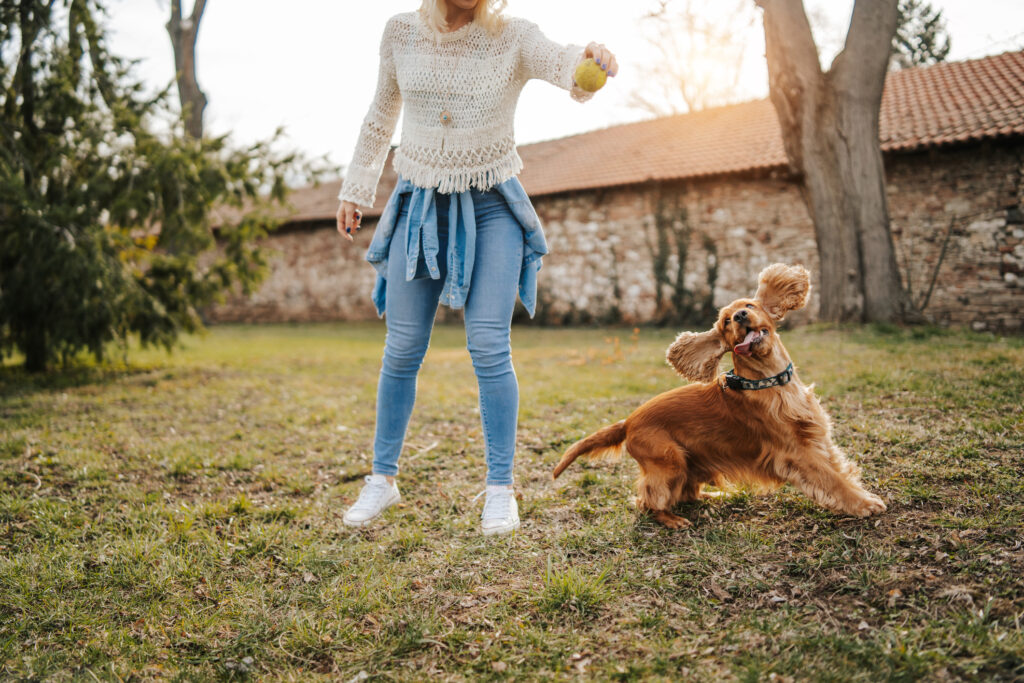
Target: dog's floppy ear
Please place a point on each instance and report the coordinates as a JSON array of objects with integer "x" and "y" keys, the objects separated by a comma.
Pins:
[
  {"x": 695, "y": 355},
  {"x": 782, "y": 288}
]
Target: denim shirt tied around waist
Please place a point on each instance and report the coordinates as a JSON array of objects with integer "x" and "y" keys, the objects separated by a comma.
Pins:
[{"x": 422, "y": 237}]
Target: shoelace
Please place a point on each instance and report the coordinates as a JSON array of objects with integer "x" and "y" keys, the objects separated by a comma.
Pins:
[
  {"x": 371, "y": 494},
  {"x": 497, "y": 504}
]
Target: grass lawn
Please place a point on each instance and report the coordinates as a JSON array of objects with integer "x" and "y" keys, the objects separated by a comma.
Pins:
[{"x": 181, "y": 517}]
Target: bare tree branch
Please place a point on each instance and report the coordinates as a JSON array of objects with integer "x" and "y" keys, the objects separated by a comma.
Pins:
[
  {"x": 197, "y": 12},
  {"x": 184, "y": 35},
  {"x": 700, "y": 55}
]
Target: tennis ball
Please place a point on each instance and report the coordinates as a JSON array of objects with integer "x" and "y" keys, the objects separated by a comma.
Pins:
[{"x": 589, "y": 76}]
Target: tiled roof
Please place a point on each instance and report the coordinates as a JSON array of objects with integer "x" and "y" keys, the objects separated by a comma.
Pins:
[
  {"x": 954, "y": 102},
  {"x": 921, "y": 108},
  {"x": 717, "y": 141}
]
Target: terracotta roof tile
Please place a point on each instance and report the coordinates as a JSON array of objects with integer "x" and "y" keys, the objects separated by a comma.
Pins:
[{"x": 924, "y": 107}]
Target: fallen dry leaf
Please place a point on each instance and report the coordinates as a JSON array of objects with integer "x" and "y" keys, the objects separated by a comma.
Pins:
[
  {"x": 719, "y": 592},
  {"x": 957, "y": 593}
]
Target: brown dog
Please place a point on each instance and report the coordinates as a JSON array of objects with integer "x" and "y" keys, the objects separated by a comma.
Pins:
[{"x": 759, "y": 426}]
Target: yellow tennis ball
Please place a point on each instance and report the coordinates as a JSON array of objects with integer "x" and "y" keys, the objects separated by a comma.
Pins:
[{"x": 589, "y": 76}]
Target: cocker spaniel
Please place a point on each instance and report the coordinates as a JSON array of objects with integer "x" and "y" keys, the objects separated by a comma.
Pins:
[{"x": 758, "y": 424}]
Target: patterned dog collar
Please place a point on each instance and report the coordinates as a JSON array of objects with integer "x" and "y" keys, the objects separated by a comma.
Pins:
[{"x": 734, "y": 381}]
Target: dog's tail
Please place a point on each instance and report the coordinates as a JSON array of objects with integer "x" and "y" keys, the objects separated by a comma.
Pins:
[{"x": 603, "y": 442}]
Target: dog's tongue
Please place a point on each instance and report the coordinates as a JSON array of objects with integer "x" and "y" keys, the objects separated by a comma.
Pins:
[{"x": 743, "y": 348}]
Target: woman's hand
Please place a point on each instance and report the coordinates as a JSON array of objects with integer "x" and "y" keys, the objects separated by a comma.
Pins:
[
  {"x": 349, "y": 219},
  {"x": 603, "y": 56}
]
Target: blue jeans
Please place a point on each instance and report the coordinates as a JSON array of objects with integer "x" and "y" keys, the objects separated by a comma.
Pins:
[{"x": 409, "y": 312}]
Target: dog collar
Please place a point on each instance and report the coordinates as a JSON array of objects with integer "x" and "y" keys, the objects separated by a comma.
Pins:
[{"x": 734, "y": 381}]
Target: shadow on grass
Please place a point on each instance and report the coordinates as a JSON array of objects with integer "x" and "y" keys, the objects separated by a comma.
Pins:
[{"x": 16, "y": 382}]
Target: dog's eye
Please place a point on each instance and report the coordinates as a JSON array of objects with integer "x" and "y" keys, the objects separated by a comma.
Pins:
[
  {"x": 750, "y": 305},
  {"x": 725, "y": 322}
]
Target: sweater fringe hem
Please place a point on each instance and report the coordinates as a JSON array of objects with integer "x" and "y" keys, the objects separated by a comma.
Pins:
[{"x": 449, "y": 182}]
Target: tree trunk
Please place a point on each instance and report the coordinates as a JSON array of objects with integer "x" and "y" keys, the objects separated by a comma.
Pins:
[
  {"x": 37, "y": 356},
  {"x": 184, "y": 33},
  {"x": 829, "y": 124}
]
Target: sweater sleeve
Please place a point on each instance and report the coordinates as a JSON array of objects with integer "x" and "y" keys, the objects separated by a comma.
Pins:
[
  {"x": 545, "y": 59},
  {"x": 363, "y": 174}
]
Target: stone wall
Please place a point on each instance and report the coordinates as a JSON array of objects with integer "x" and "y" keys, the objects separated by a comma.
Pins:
[
  {"x": 605, "y": 246},
  {"x": 956, "y": 218},
  {"x": 315, "y": 275}
]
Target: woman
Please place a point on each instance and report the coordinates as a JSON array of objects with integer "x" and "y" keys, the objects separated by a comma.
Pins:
[{"x": 458, "y": 228}]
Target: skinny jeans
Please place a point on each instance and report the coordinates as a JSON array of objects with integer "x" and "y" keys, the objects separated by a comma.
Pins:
[{"x": 410, "y": 308}]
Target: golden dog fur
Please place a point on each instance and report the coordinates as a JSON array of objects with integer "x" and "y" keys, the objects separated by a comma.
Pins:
[{"x": 708, "y": 434}]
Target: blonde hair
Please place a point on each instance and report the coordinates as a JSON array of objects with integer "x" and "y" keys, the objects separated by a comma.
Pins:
[{"x": 486, "y": 14}]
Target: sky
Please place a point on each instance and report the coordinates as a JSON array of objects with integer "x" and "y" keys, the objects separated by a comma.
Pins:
[{"x": 310, "y": 66}]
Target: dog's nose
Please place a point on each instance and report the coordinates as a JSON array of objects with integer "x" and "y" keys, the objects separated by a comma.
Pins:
[{"x": 740, "y": 316}]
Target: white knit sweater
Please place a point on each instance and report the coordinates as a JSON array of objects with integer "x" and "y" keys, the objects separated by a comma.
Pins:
[{"x": 474, "y": 76}]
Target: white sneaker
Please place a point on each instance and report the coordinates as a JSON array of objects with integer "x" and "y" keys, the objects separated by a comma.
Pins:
[
  {"x": 501, "y": 511},
  {"x": 376, "y": 497}
]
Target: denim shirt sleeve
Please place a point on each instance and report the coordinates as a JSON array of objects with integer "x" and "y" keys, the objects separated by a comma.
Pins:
[
  {"x": 534, "y": 247},
  {"x": 377, "y": 252}
]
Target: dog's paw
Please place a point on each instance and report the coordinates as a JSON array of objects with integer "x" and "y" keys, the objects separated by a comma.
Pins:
[
  {"x": 672, "y": 521},
  {"x": 868, "y": 505}
]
